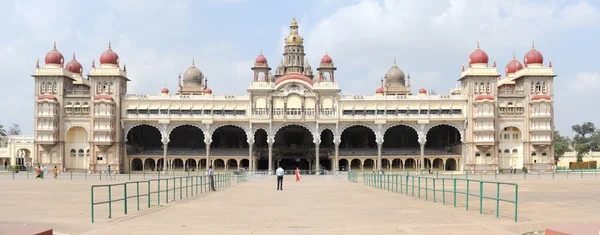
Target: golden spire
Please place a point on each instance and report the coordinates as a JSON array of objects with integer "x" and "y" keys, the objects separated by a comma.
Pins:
[
  {"x": 109, "y": 47},
  {"x": 54, "y": 45},
  {"x": 514, "y": 56},
  {"x": 73, "y": 55},
  {"x": 326, "y": 52},
  {"x": 193, "y": 63},
  {"x": 395, "y": 61},
  {"x": 294, "y": 23},
  {"x": 532, "y": 45},
  {"x": 477, "y": 44}
]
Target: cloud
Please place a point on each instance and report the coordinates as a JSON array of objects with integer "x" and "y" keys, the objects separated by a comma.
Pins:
[{"x": 587, "y": 83}]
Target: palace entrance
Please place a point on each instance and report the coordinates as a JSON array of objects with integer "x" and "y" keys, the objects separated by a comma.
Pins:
[{"x": 294, "y": 147}]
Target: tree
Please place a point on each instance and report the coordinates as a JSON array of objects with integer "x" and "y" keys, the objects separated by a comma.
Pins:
[
  {"x": 15, "y": 129},
  {"x": 585, "y": 139},
  {"x": 561, "y": 146},
  {"x": 2, "y": 131}
]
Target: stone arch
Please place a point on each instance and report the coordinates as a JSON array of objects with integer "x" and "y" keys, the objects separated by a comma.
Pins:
[
  {"x": 219, "y": 164},
  {"x": 377, "y": 135},
  {"x": 170, "y": 129},
  {"x": 272, "y": 135},
  {"x": 128, "y": 129},
  {"x": 213, "y": 129},
  {"x": 77, "y": 125},
  {"x": 460, "y": 132},
  {"x": 136, "y": 164},
  {"x": 451, "y": 164},
  {"x": 401, "y": 124},
  {"x": 499, "y": 136}
]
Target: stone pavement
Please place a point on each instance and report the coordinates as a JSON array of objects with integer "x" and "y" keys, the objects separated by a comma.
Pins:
[{"x": 316, "y": 205}]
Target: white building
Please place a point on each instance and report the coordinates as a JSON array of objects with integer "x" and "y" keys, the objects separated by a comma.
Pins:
[
  {"x": 295, "y": 117},
  {"x": 15, "y": 150}
]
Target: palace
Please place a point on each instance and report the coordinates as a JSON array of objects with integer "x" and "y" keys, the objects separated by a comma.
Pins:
[{"x": 293, "y": 117}]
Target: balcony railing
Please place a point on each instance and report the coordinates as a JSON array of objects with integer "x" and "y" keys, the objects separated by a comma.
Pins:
[
  {"x": 358, "y": 152},
  {"x": 77, "y": 92},
  {"x": 516, "y": 93}
]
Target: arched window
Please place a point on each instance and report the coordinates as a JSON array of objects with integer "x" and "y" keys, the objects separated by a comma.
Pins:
[
  {"x": 488, "y": 154},
  {"x": 507, "y": 151},
  {"x": 544, "y": 154},
  {"x": 55, "y": 88},
  {"x": 87, "y": 153},
  {"x": 532, "y": 88},
  {"x": 73, "y": 153},
  {"x": 488, "y": 89},
  {"x": 81, "y": 153},
  {"x": 476, "y": 89},
  {"x": 477, "y": 155},
  {"x": 105, "y": 87},
  {"x": 544, "y": 87},
  {"x": 482, "y": 87},
  {"x": 43, "y": 87},
  {"x": 99, "y": 88},
  {"x": 533, "y": 154},
  {"x": 515, "y": 151},
  {"x": 538, "y": 87}
]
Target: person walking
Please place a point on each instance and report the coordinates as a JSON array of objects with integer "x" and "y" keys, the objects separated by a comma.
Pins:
[
  {"x": 212, "y": 178},
  {"x": 39, "y": 172},
  {"x": 279, "y": 174},
  {"x": 55, "y": 172},
  {"x": 108, "y": 173},
  {"x": 297, "y": 174}
]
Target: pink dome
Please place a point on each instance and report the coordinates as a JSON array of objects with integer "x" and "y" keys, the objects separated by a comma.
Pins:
[
  {"x": 513, "y": 66},
  {"x": 484, "y": 97},
  {"x": 379, "y": 91},
  {"x": 109, "y": 57},
  {"x": 74, "y": 66},
  {"x": 294, "y": 76},
  {"x": 533, "y": 57},
  {"x": 478, "y": 56},
  {"x": 54, "y": 57},
  {"x": 326, "y": 59},
  {"x": 422, "y": 91},
  {"x": 165, "y": 91},
  {"x": 208, "y": 91},
  {"x": 261, "y": 59}
]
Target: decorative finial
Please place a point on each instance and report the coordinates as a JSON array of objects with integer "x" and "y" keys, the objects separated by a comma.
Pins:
[
  {"x": 93, "y": 63},
  {"x": 532, "y": 45},
  {"x": 37, "y": 63},
  {"x": 494, "y": 62},
  {"x": 381, "y": 83},
  {"x": 124, "y": 67},
  {"x": 54, "y": 45},
  {"x": 260, "y": 51},
  {"x": 514, "y": 56},
  {"x": 395, "y": 61},
  {"x": 326, "y": 52},
  {"x": 463, "y": 67},
  {"x": 205, "y": 82},
  {"x": 109, "y": 47},
  {"x": 73, "y": 55},
  {"x": 477, "y": 44},
  {"x": 193, "y": 63},
  {"x": 550, "y": 65}
]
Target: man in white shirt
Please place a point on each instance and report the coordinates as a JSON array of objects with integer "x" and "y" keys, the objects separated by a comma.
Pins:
[
  {"x": 212, "y": 178},
  {"x": 279, "y": 174}
]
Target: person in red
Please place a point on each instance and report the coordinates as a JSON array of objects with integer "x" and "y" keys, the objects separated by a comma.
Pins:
[{"x": 297, "y": 174}]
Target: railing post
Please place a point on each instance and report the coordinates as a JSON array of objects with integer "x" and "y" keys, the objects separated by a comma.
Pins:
[
  {"x": 497, "y": 198},
  {"x": 553, "y": 173},
  {"x": 397, "y": 183},
  {"x": 149, "y": 194},
  {"x": 443, "y": 191},
  {"x": 516, "y": 200},
  {"x": 426, "y": 189},
  {"x": 181, "y": 188},
  {"x": 167, "y": 191},
  {"x": 454, "y": 190},
  {"x": 125, "y": 197},
  {"x": 129, "y": 173},
  {"x": 109, "y": 203},
  {"x": 419, "y": 188},
  {"x": 434, "y": 191},
  {"x": 413, "y": 186},
  {"x": 467, "y": 200},
  {"x": 71, "y": 174},
  {"x": 137, "y": 194},
  {"x": 158, "y": 192},
  {"x": 581, "y": 170},
  {"x": 480, "y": 197},
  {"x": 92, "y": 204}
]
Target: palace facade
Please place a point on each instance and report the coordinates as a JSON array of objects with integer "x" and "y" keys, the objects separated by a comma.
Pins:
[{"x": 294, "y": 116}]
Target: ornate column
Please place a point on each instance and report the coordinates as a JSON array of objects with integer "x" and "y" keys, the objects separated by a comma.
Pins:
[
  {"x": 270, "y": 142},
  {"x": 317, "y": 141},
  {"x": 250, "y": 140},
  {"x": 336, "y": 142},
  {"x": 165, "y": 146},
  {"x": 207, "y": 141},
  {"x": 422, "y": 155}
]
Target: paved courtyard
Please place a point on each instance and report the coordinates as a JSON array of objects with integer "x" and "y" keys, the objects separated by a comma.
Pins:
[{"x": 317, "y": 205}]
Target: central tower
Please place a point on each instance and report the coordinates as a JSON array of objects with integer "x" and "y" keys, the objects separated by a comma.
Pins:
[{"x": 293, "y": 56}]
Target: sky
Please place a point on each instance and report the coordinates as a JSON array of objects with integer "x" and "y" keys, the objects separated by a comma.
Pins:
[{"x": 430, "y": 39}]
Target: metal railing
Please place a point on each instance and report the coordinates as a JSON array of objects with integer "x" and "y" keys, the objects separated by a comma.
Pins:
[
  {"x": 189, "y": 184},
  {"x": 405, "y": 184}
]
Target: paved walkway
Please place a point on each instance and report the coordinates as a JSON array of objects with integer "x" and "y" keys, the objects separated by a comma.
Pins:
[{"x": 317, "y": 205}]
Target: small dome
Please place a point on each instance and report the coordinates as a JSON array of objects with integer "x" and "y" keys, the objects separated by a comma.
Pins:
[
  {"x": 326, "y": 59},
  {"x": 541, "y": 97},
  {"x": 513, "y": 66},
  {"x": 478, "y": 56},
  {"x": 280, "y": 66},
  {"x": 261, "y": 59},
  {"x": 192, "y": 77},
  {"x": 165, "y": 91},
  {"x": 74, "y": 66},
  {"x": 484, "y": 97},
  {"x": 379, "y": 91},
  {"x": 208, "y": 91},
  {"x": 394, "y": 76},
  {"x": 109, "y": 56},
  {"x": 533, "y": 57},
  {"x": 422, "y": 91},
  {"x": 54, "y": 57}
]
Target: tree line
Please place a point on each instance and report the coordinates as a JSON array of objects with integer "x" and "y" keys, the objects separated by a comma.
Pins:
[
  {"x": 15, "y": 129},
  {"x": 586, "y": 139}
]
